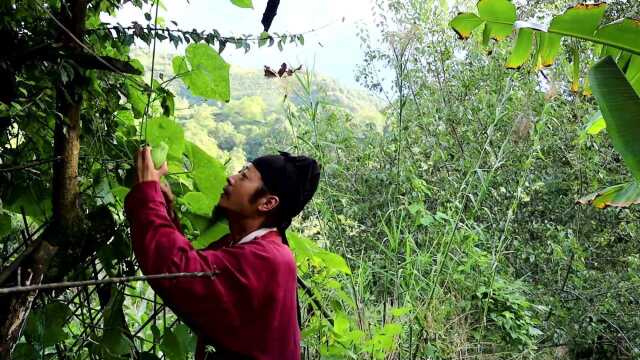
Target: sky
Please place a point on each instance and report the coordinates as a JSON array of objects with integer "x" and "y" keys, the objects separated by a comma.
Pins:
[{"x": 333, "y": 49}]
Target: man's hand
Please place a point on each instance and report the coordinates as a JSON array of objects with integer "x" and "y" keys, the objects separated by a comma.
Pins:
[
  {"x": 169, "y": 198},
  {"x": 145, "y": 170}
]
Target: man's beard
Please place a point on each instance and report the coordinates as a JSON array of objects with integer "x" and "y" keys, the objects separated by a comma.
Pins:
[{"x": 218, "y": 214}]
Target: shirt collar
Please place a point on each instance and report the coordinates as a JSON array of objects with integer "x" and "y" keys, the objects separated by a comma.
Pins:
[{"x": 257, "y": 233}]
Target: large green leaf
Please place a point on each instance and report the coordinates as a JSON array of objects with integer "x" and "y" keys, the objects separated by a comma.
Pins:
[
  {"x": 163, "y": 129},
  {"x": 620, "y": 107},
  {"x": 114, "y": 340},
  {"x": 548, "y": 47},
  {"x": 177, "y": 343},
  {"x": 210, "y": 235},
  {"x": 499, "y": 15},
  {"x": 33, "y": 198},
  {"x": 581, "y": 20},
  {"x": 623, "y": 34},
  {"x": 465, "y": 23},
  {"x": 208, "y": 173},
  {"x": 623, "y": 195},
  {"x": 46, "y": 325},
  {"x": 204, "y": 72},
  {"x": 633, "y": 73},
  {"x": 136, "y": 97},
  {"x": 198, "y": 203},
  {"x": 521, "y": 49},
  {"x": 306, "y": 250}
]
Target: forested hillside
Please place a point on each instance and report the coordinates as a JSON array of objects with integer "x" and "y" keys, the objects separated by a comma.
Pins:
[
  {"x": 257, "y": 112},
  {"x": 479, "y": 200}
]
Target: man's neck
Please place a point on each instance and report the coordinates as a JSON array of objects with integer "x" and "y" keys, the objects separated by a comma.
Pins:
[{"x": 241, "y": 227}]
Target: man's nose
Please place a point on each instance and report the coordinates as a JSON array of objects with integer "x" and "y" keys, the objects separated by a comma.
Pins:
[{"x": 230, "y": 180}]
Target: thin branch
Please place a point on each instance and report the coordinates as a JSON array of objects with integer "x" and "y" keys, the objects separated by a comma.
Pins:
[
  {"x": 74, "y": 284},
  {"x": 315, "y": 301},
  {"x": 30, "y": 165}
]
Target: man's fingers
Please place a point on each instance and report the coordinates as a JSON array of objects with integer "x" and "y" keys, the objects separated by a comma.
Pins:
[{"x": 164, "y": 169}]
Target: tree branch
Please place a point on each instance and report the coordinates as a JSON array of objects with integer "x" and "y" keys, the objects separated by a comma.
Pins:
[{"x": 115, "y": 280}]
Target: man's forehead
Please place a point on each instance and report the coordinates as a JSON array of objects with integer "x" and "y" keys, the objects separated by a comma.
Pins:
[{"x": 251, "y": 170}]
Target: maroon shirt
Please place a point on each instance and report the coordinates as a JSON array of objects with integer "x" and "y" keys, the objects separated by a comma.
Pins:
[{"x": 247, "y": 310}]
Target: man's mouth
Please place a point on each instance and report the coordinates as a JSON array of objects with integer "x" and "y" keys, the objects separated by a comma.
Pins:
[{"x": 225, "y": 191}]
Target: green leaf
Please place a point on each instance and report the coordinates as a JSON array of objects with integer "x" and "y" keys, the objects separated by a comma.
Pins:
[
  {"x": 305, "y": 249},
  {"x": 633, "y": 73},
  {"x": 401, "y": 311},
  {"x": 247, "y": 4},
  {"x": 575, "y": 82},
  {"x": 168, "y": 103},
  {"x": 500, "y": 15},
  {"x": 24, "y": 351},
  {"x": 465, "y": 23},
  {"x": 620, "y": 106},
  {"x": 208, "y": 173},
  {"x": 204, "y": 72},
  {"x": 136, "y": 97},
  {"x": 581, "y": 20},
  {"x": 622, "y": 196},
  {"x": 263, "y": 38},
  {"x": 35, "y": 199},
  {"x": 185, "y": 337},
  {"x": 334, "y": 261},
  {"x": 340, "y": 324},
  {"x": 198, "y": 203},
  {"x": 622, "y": 34},
  {"x": 522, "y": 49},
  {"x": 177, "y": 343},
  {"x": 159, "y": 154},
  {"x": 163, "y": 129},
  {"x": 548, "y": 47},
  {"x": 120, "y": 192},
  {"x": 5, "y": 225},
  {"x": 211, "y": 235},
  {"x": 595, "y": 124},
  {"x": 46, "y": 326}
]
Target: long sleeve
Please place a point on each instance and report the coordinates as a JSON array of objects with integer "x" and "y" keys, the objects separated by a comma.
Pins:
[{"x": 254, "y": 280}]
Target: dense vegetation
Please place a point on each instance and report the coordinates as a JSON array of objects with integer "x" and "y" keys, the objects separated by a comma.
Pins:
[{"x": 462, "y": 216}]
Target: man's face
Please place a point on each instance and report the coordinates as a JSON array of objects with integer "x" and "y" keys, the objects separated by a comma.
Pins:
[{"x": 237, "y": 194}]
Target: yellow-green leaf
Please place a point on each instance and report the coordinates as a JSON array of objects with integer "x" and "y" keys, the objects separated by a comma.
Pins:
[
  {"x": 247, "y": 4},
  {"x": 595, "y": 124},
  {"x": 521, "y": 49},
  {"x": 500, "y": 15},
  {"x": 581, "y": 20},
  {"x": 575, "y": 82},
  {"x": 622, "y": 196},
  {"x": 549, "y": 47},
  {"x": 464, "y": 24},
  {"x": 159, "y": 154}
]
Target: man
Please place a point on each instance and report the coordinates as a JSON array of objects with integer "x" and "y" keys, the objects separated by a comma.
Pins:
[{"x": 248, "y": 310}]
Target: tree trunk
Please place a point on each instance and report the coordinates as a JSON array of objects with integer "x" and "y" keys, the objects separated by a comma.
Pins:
[{"x": 66, "y": 227}]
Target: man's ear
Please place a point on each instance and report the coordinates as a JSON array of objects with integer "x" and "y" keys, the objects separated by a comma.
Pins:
[{"x": 268, "y": 203}]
